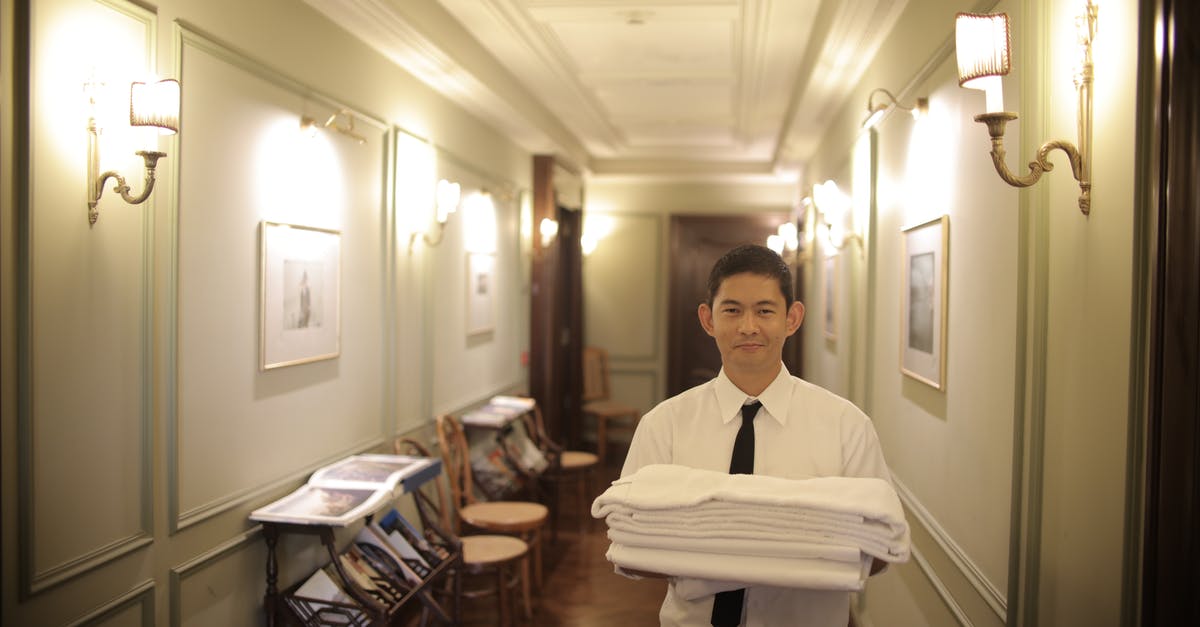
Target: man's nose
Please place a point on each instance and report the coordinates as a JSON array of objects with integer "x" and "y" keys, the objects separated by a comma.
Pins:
[{"x": 747, "y": 324}]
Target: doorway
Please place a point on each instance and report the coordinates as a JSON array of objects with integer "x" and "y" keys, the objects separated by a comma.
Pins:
[{"x": 696, "y": 243}]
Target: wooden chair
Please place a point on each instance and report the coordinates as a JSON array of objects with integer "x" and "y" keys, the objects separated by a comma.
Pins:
[
  {"x": 564, "y": 466},
  {"x": 596, "y": 403},
  {"x": 498, "y": 556},
  {"x": 519, "y": 518}
]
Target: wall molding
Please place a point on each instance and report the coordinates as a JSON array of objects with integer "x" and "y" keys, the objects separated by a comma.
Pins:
[
  {"x": 202, "y": 561},
  {"x": 32, "y": 582},
  {"x": 969, "y": 570},
  {"x": 196, "y": 515},
  {"x": 141, "y": 595},
  {"x": 659, "y": 304},
  {"x": 940, "y": 587},
  {"x": 186, "y": 36}
]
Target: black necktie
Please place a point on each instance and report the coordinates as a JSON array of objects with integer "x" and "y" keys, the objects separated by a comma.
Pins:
[{"x": 727, "y": 606}]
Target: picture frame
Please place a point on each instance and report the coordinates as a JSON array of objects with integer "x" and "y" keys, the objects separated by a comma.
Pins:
[
  {"x": 481, "y": 288},
  {"x": 925, "y": 268},
  {"x": 831, "y": 293},
  {"x": 300, "y": 293}
]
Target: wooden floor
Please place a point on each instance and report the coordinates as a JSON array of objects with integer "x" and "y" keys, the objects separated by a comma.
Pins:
[{"x": 579, "y": 587}]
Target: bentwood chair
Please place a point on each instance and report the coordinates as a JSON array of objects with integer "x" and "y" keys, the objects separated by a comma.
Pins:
[
  {"x": 564, "y": 466},
  {"x": 498, "y": 557},
  {"x": 596, "y": 403},
  {"x": 520, "y": 518}
]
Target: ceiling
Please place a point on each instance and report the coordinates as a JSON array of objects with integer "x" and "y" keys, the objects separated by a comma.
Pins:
[{"x": 624, "y": 88}]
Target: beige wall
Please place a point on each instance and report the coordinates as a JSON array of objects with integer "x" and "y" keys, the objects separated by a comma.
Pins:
[
  {"x": 146, "y": 431},
  {"x": 1038, "y": 343}
]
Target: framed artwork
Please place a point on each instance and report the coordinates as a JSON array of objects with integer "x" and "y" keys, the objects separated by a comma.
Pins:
[
  {"x": 481, "y": 285},
  {"x": 830, "y": 283},
  {"x": 923, "y": 302},
  {"x": 300, "y": 293}
]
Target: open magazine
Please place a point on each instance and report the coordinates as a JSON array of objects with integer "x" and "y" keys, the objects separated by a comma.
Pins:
[{"x": 348, "y": 490}]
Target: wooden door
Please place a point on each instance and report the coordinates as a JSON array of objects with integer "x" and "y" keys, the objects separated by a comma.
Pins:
[
  {"x": 1172, "y": 489},
  {"x": 696, "y": 244}
]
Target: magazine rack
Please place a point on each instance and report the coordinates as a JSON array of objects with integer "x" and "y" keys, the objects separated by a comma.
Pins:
[
  {"x": 287, "y": 608},
  {"x": 368, "y": 609}
]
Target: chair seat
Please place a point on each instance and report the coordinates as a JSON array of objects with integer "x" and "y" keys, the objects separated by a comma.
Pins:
[
  {"x": 576, "y": 460},
  {"x": 486, "y": 550},
  {"x": 510, "y": 516},
  {"x": 609, "y": 409}
]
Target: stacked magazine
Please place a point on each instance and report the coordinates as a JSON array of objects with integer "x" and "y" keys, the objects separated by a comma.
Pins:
[
  {"x": 386, "y": 561},
  {"x": 350, "y": 489}
]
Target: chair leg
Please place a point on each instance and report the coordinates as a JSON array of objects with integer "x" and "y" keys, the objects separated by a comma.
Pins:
[
  {"x": 502, "y": 596},
  {"x": 525, "y": 592},
  {"x": 582, "y": 506},
  {"x": 601, "y": 438}
]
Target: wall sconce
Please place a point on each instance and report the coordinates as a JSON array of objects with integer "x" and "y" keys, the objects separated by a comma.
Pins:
[
  {"x": 983, "y": 45},
  {"x": 150, "y": 104},
  {"x": 342, "y": 121},
  {"x": 785, "y": 241},
  {"x": 876, "y": 111},
  {"x": 834, "y": 217},
  {"x": 549, "y": 230},
  {"x": 446, "y": 197}
]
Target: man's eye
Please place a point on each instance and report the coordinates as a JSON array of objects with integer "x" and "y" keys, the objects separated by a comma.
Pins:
[{"x": 765, "y": 312}]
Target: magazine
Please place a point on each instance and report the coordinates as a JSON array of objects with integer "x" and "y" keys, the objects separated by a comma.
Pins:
[
  {"x": 348, "y": 490},
  {"x": 393, "y": 521}
]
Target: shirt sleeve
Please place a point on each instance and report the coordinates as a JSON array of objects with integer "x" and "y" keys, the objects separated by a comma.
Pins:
[
  {"x": 862, "y": 454},
  {"x": 651, "y": 443}
]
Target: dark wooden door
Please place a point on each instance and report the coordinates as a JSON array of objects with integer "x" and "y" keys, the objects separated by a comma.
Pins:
[
  {"x": 1172, "y": 512},
  {"x": 696, "y": 243}
]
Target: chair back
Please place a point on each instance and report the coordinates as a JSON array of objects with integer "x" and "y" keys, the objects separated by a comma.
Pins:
[
  {"x": 535, "y": 426},
  {"x": 430, "y": 510},
  {"x": 456, "y": 459},
  {"x": 595, "y": 374}
]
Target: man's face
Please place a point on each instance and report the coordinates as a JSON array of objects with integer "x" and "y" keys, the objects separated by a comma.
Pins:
[{"x": 750, "y": 322}]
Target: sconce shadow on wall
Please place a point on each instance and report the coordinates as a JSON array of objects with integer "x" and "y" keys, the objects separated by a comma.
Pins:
[
  {"x": 983, "y": 47},
  {"x": 150, "y": 104}
]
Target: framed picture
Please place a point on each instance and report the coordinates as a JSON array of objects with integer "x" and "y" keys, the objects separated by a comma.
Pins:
[
  {"x": 481, "y": 285},
  {"x": 830, "y": 283},
  {"x": 300, "y": 292},
  {"x": 923, "y": 302}
]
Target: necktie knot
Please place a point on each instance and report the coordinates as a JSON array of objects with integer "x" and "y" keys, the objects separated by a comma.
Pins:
[{"x": 750, "y": 410}]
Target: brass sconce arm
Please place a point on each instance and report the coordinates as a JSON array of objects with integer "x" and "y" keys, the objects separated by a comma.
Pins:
[
  {"x": 996, "y": 122},
  {"x": 151, "y": 158}
]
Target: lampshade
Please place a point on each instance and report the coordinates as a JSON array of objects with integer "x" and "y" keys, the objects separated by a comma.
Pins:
[
  {"x": 982, "y": 45},
  {"x": 155, "y": 104}
]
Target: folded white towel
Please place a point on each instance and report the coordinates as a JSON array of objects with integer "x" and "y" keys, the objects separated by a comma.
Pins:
[
  {"x": 670, "y": 486},
  {"x": 665, "y": 499},
  {"x": 746, "y": 570},
  {"x": 875, "y": 540},
  {"x": 738, "y": 546},
  {"x": 691, "y": 589}
]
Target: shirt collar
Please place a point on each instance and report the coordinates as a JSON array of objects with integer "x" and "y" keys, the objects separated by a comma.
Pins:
[{"x": 775, "y": 398}]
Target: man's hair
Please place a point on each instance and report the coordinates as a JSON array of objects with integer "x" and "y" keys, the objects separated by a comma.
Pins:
[{"x": 754, "y": 259}]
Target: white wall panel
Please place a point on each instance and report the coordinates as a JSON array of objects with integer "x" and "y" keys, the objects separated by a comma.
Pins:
[
  {"x": 228, "y": 409},
  {"x": 88, "y": 401}
]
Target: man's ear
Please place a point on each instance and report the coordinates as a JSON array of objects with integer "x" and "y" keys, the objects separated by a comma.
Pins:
[
  {"x": 704, "y": 312},
  {"x": 795, "y": 316}
]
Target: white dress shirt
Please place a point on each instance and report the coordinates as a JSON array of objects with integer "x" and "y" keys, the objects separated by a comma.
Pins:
[{"x": 802, "y": 431}]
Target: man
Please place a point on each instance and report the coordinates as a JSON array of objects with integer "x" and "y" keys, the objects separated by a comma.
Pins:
[{"x": 801, "y": 430}]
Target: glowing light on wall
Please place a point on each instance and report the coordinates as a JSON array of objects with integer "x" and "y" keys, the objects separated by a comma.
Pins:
[
  {"x": 596, "y": 227},
  {"x": 298, "y": 177},
  {"x": 479, "y": 223},
  {"x": 416, "y": 173},
  {"x": 928, "y": 191}
]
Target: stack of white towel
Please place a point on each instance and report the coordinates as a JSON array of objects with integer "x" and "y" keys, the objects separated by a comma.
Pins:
[{"x": 734, "y": 530}]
